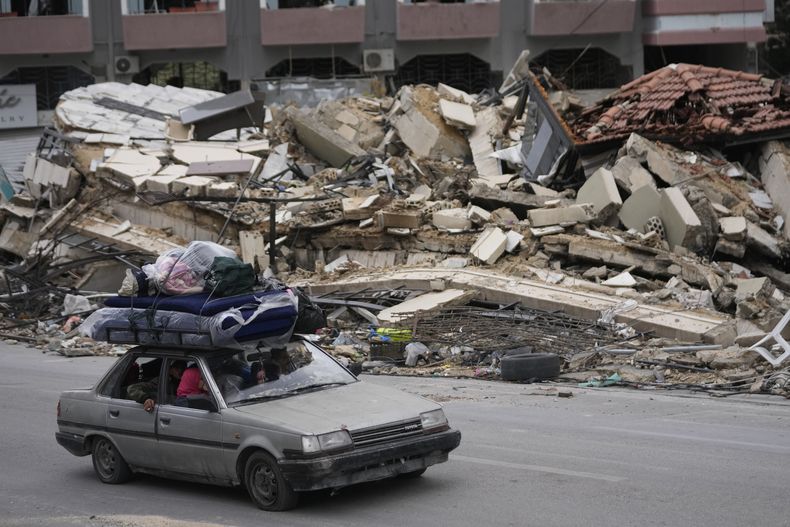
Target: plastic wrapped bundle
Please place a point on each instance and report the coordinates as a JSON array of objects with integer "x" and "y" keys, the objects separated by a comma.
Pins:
[{"x": 183, "y": 271}]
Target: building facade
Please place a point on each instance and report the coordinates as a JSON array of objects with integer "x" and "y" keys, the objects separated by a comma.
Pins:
[{"x": 226, "y": 43}]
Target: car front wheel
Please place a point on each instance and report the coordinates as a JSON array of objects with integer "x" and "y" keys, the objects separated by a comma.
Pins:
[
  {"x": 108, "y": 463},
  {"x": 266, "y": 485}
]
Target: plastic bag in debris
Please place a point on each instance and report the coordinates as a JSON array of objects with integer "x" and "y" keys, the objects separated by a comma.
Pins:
[
  {"x": 415, "y": 350},
  {"x": 182, "y": 271},
  {"x": 147, "y": 326}
]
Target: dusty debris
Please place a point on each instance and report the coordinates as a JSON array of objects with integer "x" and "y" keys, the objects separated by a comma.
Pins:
[{"x": 460, "y": 207}]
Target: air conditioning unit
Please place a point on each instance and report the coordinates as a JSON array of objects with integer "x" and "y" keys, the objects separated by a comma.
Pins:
[
  {"x": 127, "y": 65},
  {"x": 378, "y": 60}
]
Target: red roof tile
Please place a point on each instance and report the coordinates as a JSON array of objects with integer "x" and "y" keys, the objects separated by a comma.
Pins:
[{"x": 687, "y": 100}]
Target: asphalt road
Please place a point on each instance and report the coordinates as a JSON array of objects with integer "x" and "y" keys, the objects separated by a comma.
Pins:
[{"x": 604, "y": 456}]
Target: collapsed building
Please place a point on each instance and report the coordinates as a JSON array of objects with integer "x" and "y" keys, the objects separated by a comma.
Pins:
[{"x": 641, "y": 238}]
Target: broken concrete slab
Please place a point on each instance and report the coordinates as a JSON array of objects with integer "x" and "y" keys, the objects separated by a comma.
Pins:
[
  {"x": 192, "y": 185},
  {"x": 580, "y": 213},
  {"x": 600, "y": 190},
  {"x": 761, "y": 241},
  {"x": 448, "y": 92},
  {"x": 690, "y": 326},
  {"x": 681, "y": 223},
  {"x": 451, "y": 219},
  {"x": 490, "y": 245},
  {"x": 643, "y": 204},
  {"x": 422, "y": 129},
  {"x": 733, "y": 228},
  {"x": 624, "y": 279},
  {"x": 753, "y": 288},
  {"x": 630, "y": 175},
  {"x": 424, "y": 303},
  {"x": 518, "y": 202},
  {"x": 360, "y": 207},
  {"x": 774, "y": 163},
  {"x": 322, "y": 141},
  {"x": 252, "y": 248},
  {"x": 133, "y": 239},
  {"x": 457, "y": 114},
  {"x": 488, "y": 167}
]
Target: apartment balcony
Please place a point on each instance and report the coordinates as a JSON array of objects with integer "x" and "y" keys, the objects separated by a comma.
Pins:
[
  {"x": 440, "y": 21},
  {"x": 312, "y": 25},
  {"x": 680, "y": 22},
  {"x": 41, "y": 35},
  {"x": 581, "y": 17},
  {"x": 201, "y": 25}
]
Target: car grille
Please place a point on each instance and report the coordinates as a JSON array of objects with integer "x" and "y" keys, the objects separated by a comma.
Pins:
[{"x": 386, "y": 433}]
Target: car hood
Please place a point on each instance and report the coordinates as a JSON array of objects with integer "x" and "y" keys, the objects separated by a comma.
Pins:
[{"x": 353, "y": 406}]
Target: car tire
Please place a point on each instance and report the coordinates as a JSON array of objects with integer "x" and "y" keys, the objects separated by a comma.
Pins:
[
  {"x": 109, "y": 465},
  {"x": 266, "y": 485},
  {"x": 535, "y": 366},
  {"x": 414, "y": 474}
]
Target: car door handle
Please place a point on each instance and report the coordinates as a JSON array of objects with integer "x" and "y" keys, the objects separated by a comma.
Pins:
[
  {"x": 164, "y": 420},
  {"x": 114, "y": 413}
]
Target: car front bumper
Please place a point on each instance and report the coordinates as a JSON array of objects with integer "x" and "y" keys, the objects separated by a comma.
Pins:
[{"x": 369, "y": 463}]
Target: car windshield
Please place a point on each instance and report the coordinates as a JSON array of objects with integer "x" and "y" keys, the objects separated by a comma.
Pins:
[{"x": 249, "y": 377}]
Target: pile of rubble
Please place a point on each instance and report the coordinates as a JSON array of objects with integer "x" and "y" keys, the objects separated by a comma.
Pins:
[{"x": 645, "y": 232}]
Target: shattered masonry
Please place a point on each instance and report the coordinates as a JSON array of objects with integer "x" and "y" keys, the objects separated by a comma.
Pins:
[{"x": 627, "y": 236}]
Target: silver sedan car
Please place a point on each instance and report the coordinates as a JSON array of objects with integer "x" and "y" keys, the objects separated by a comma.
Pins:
[{"x": 275, "y": 421}]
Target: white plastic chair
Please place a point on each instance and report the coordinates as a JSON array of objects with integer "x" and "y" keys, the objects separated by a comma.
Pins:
[{"x": 775, "y": 334}]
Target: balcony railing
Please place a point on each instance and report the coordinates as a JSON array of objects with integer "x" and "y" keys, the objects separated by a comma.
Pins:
[
  {"x": 312, "y": 25},
  {"x": 445, "y": 21},
  {"x": 582, "y": 17},
  {"x": 151, "y": 25}
]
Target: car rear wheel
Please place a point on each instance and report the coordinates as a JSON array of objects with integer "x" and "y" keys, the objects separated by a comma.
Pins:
[
  {"x": 108, "y": 463},
  {"x": 266, "y": 485}
]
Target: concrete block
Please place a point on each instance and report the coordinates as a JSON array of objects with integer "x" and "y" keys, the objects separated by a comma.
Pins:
[
  {"x": 478, "y": 214},
  {"x": 733, "y": 228},
  {"x": 360, "y": 208},
  {"x": 601, "y": 191},
  {"x": 579, "y": 213},
  {"x": 192, "y": 185},
  {"x": 513, "y": 240},
  {"x": 322, "y": 141},
  {"x": 630, "y": 175},
  {"x": 222, "y": 189},
  {"x": 451, "y": 219},
  {"x": 753, "y": 288},
  {"x": 457, "y": 114},
  {"x": 736, "y": 249},
  {"x": 489, "y": 246},
  {"x": 680, "y": 221},
  {"x": 399, "y": 219},
  {"x": 643, "y": 204},
  {"x": 624, "y": 279}
]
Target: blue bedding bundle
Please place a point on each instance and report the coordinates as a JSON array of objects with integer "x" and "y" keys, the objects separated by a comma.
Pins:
[{"x": 259, "y": 316}]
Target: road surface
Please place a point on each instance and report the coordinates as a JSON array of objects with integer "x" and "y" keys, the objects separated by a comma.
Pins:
[{"x": 605, "y": 456}]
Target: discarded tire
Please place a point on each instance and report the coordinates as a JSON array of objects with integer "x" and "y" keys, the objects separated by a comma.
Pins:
[
  {"x": 534, "y": 366},
  {"x": 523, "y": 350}
]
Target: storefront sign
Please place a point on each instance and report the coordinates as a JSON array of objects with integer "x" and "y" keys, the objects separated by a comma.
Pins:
[{"x": 18, "y": 106}]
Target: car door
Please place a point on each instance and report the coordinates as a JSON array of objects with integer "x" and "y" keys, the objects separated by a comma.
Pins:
[
  {"x": 130, "y": 427},
  {"x": 190, "y": 438}
]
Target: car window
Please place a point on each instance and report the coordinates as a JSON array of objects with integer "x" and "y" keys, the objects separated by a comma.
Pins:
[
  {"x": 136, "y": 380},
  {"x": 274, "y": 373}
]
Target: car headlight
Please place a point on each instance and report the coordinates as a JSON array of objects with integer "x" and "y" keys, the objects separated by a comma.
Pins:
[
  {"x": 324, "y": 442},
  {"x": 433, "y": 419}
]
